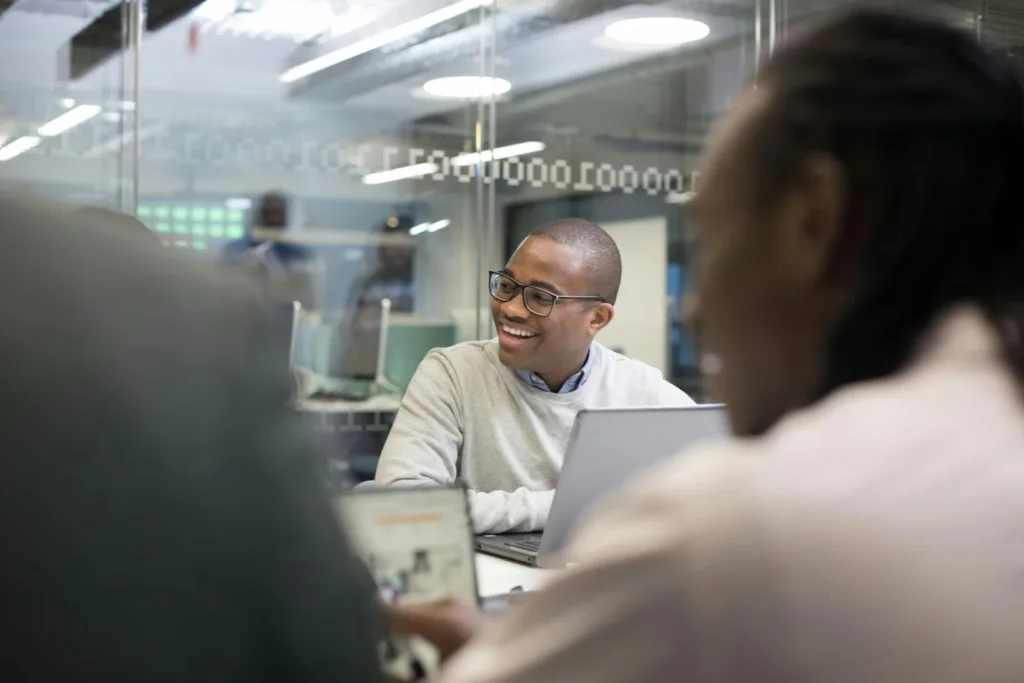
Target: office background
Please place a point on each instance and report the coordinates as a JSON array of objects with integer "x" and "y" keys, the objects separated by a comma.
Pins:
[{"x": 186, "y": 124}]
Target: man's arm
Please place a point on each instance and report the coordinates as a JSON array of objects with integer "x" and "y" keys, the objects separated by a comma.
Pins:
[
  {"x": 671, "y": 395},
  {"x": 422, "y": 448},
  {"x": 498, "y": 512}
]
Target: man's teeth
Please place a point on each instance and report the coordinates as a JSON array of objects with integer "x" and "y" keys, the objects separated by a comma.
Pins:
[{"x": 516, "y": 332}]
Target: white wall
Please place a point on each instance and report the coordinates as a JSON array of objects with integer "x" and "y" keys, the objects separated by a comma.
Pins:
[
  {"x": 640, "y": 327},
  {"x": 448, "y": 284}
]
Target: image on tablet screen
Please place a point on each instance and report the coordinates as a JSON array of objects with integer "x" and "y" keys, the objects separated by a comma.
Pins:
[{"x": 416, "y": 542}]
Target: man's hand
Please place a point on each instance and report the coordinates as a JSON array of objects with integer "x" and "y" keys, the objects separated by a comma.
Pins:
[{"x": 447, "y": 624}]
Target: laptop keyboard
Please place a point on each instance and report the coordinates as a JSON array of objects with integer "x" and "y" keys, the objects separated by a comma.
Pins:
[{"x": 529, "y": 544}]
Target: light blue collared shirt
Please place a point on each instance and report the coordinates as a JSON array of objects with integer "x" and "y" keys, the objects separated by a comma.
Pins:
[{"x": 574, "y": 382}]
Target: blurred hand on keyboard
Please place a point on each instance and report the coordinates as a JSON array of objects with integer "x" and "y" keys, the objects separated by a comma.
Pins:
[{"x": 447, "y": 624}]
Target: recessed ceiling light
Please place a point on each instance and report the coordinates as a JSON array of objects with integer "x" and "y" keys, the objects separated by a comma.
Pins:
[
  {"x": 466, "y": 87},
  {"x": 657, "y": 31}
]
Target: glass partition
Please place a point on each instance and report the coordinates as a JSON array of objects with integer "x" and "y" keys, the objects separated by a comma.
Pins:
[
  {"x": 68, "y": 100},
  {"x": 415, "y": 142},
  {"x": 326, "y": 103},
  {"x": 618, "y": 99}
]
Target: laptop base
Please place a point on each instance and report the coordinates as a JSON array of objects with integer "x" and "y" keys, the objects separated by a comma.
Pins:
[{"x": 521, "y": 548}]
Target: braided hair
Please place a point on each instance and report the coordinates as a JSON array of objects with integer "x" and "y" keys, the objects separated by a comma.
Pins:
[{"x": 929, "y": 129}]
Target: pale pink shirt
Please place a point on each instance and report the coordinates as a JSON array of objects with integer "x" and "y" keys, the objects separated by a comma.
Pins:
[{"x": 875, "y": 537}]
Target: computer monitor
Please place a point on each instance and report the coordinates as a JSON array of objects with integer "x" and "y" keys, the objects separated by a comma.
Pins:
[
  {"x": 273, "y": 347},
  {"x": 356, "y": 342},
  {"x": 360, "y": 345}
]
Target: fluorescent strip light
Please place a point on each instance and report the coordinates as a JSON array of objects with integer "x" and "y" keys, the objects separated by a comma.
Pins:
[
  {"x": 117, "y": 142},
  {"x": 429, "y": 227},
  {"x": 680, "y": 197},
  {"x": 381, "y": 39},
  {"x": 18, "y": 147},
  {"x": 69, "y": 120},
  {"x": 401, "y": 173},
  {"x": 521, "y": 149}
]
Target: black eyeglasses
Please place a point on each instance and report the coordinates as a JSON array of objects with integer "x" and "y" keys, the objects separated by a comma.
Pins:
[{"x": 537, "y": 301}]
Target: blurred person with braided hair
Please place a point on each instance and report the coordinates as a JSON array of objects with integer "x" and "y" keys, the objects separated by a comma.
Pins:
[{"x": 858, "y": 283}]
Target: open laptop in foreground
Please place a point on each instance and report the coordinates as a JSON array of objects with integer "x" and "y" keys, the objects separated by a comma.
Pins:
[{"x": 606, "y": 447}]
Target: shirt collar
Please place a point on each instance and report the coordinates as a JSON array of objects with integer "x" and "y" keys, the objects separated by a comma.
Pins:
[{"x": 575, "y": 381}]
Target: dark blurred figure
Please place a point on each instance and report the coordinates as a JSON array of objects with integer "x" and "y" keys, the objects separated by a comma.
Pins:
[
  {"x": 130, "y": 225},
  {"x": 161, "y": 518},
  {"x": 390, "y": 278},
  {"x": 287, "y": 270},
  {"x": 859, "y": 278}
]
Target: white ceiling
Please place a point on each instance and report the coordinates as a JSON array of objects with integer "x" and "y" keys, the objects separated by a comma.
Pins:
[
  {"x": 565, "y": 84},
  {"x": 562, "y": 55},
  {"x": 237, "y": 75}
]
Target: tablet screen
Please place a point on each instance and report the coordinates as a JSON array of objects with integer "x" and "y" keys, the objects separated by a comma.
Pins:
[{"x": 417, "y": 543}]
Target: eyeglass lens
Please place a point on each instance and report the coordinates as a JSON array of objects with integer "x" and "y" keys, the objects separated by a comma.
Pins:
[{"x": 537, "y": 301}]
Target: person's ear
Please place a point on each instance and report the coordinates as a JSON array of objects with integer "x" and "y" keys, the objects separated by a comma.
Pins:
[
  {"x": 601, "y": 316},
  {"x": 811, "y": 218}
]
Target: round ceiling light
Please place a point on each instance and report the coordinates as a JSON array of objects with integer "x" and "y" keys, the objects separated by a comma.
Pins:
[
  {"x": 657, "y": 31},
  {"x": 466, "y": 87}
]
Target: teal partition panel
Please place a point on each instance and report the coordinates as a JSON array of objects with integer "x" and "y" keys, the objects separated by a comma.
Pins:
[{"x": 409, "y": 343}]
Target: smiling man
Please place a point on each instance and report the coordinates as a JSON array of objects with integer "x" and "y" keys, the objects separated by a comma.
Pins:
[{"x": 497, "y": 414}]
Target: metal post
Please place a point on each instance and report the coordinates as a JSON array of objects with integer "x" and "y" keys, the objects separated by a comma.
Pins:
[
  {"x": 772, "y": 24},
  {"x": 492, "y": 204},
  {"x": 484, "y": 138},
  {"x": 135, "y": 45},
  {"x": 757, "y": 36},
  {"x": 123, "y": 201},
  {"x": 478, "y": 185}
]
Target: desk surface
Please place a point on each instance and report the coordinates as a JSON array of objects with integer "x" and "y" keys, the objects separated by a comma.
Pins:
[
  {"x": 496, "y": 576},
  {"x": 379, "y": 403}
]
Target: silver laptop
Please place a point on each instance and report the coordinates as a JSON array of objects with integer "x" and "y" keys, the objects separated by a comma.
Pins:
[{"x": 606, "y": 447}]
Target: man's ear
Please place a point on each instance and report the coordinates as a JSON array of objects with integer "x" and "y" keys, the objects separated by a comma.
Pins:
[
  {"x": 811, "y": 219},
  {"x": 601, "y": 316}
]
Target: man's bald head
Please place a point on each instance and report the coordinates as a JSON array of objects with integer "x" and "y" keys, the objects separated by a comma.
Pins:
[{"x": 599, "y": 251}]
